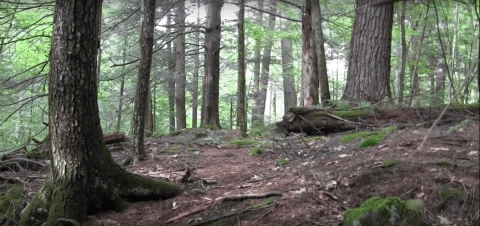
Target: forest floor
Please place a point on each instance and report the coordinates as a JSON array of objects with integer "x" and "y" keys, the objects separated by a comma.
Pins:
[{"x": 321, "y": 179}]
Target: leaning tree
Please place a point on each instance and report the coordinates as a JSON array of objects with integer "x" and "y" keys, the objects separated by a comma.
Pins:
[
  {"x": 83, "y": 177},
  {"x": 368, "y": 76}
]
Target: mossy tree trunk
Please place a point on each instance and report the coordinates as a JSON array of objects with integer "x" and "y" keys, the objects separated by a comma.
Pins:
[{"x": 83, "y": 177}]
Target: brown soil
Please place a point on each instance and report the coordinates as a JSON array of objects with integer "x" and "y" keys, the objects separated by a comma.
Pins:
[{"x": 320, "y": 181}]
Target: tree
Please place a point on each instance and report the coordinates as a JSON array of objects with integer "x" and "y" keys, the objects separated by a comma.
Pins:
[
  {"x": 310, "y": 79},
  {"x": 256, "y": 64},
  {"x": 401, "y": 75},
  {"x": 241, "y": 111},
  {"x": 170, "y": 82},
  {"x": 141, "y": 99},
  {"x": 320, "y": 52},
  {"x": 261, "y": 96},
  {"x": 83, "y": 178},
  {"x": 289, "y": 93},
  {"x": 180, "y": 77},
  {"x": 368, "y": 76},
  {"x": 195, "y": 73},
  {"x": 210, "y": 114}
]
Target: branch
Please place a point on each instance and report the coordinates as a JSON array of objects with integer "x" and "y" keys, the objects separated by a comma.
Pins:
[{"x": 267, "y": 12}]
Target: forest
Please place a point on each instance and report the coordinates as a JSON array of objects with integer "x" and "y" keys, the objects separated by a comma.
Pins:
[{"x": 74, "y": 72}]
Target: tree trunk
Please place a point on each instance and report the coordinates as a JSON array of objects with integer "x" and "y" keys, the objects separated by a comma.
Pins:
[
  {"x": 180, "y": 77},
  {"x": 146, "y": 40},
  {"x": 122, "y": 86},
  {"x": 401, "y": 75},
  {"x": 195, "y": 74},
  {"x": 241, "y": 111},
  {"x": 261, "y": 95},
  {"x": 320, "y": 52},
  {"x": 310, "y": 73},
  {"x": 368, "y": 76},
  {"x": 256, "y": 65},
  {"x": 149, "y": 113},
  {"x": 210, "y": 114},
  {"x": 83, "y": 177},
  {"x": 439, "y": 76},
  {"x": 171, "y": 83},
  {"x": 289, "y": 93}
]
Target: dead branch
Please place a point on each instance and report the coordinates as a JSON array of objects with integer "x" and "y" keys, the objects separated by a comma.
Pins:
[
  {"x": 251, "y": 196},
  {"x": 196, "y": 210}
]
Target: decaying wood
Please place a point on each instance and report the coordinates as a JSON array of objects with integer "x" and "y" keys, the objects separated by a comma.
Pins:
[
  {"x": 251, "y": 196},
  {"x": 198, "y": 209},
  {"x": 114, "y": 138}
]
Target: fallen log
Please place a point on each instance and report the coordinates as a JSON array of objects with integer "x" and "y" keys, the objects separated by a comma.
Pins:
[
  {"x": 114, "y": 138},
  {"x": 313, "y": 120}
]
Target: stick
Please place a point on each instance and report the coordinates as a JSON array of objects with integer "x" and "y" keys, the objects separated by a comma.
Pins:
[{"x": 252, "y": 196}]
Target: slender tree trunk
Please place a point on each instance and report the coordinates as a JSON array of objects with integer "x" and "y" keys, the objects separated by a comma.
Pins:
[
  {"x": 241, "y": 90},
  {"x": 454, "y": 49},
  {"x": 122, "y": 86},
  {"x": 195, "y": 74},
  {"x": 401, "y": 75},
  {"x": 289, "y": 93},
  {"x": 171, "y": 82},
  {"x": 261, "y": 95},
  {"x": 310, "y": 75},
  {"x": 83, "y": 178},
  {"x": 256, "y": 66},
  {"x": 320, "y": 52},
  {"x": 180, "y": 68},
  {"x": 146, "y": 40},
  {"x": 149, "y": 113},
  {"x": 368, "y": 76},
  {"x": 440, "y": 81},
  {"x": 210, "y": 114}
]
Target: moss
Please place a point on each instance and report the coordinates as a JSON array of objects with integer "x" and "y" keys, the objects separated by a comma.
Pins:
[
  {"x": 383, "y": 211},
  {"x": 190, "y": 149},
  {"x": 390, "y": 163},
  {"x": 451, "y": 191},
  {"x": 353, "y": 114},
  {"x": 459, "y": 126},
  {"x": 442, "y": 164},
  {"x": 371, "y": 141},
  {"x": 172, "y": 150},
  {"x": 281, "y": 161},
  {"x": 268, "y": 202},
  {"x": 372, "y": 138},
  {"x": 9, "y": 201},
  {"x": 255, "y": 151},
  {"x": 220, "y": 222},
  {"x": 241, "y": 143}
]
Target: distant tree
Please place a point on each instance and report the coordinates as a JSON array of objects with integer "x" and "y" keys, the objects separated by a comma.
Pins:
[
  {"x": 289, "y": 93},
  {"x": 170, "y": 81},
  {"x": 83, "y": 178},
  {"x": 195, "y": 72},
  {"x": 261, "y": 96},
  {"x": 241, "y": 111},
  {"x": 256, "y": 62},
  {"x": 180, "y": 77},
  {"x": 210, "y": 113},
  {"x": 401, "y": 75},
  {"x": 368, "y": 76}
]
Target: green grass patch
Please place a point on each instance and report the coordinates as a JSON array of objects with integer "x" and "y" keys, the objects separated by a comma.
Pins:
[
  {"x": 281, "y": 161},
  {"x": 442, "y": 164},
  {"x": 255, "y": 151},
  {"x": 242, "y": 143},
  {"x": 371, "y": 138},
  {"x": 267, "y": 203},
  {"x": 459, "y": 126},
  {"x": 390, "y": 163},
  {"x": 452, "y": 191}
]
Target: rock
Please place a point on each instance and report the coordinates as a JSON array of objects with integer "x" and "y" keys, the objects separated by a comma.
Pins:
[{"x": 378, "y": 211}]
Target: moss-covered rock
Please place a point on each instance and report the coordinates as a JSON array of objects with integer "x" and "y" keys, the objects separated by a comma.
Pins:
[{"x": 378, "y": 211}]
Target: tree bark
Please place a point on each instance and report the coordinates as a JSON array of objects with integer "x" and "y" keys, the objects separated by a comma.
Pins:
[
  {"x": 171, "y": 83},
  {"x": 83, "y": 177},
  {"x": 289, "y": 93},
  {"x": 122, "y": 86},
  {"x": 146, "y": 40},
  {"x": 241, "y": 111},
  {"x": 195, "y": 74},
  {"x": 368, "y": 76},
  {"x": 310, "y": 75},
  {"x": 256, "y": 64},
  {"x": 210, "y": 114},
  {"x": 401, "y": 75},
  {"x": 320, "y": 52},
  {"x": 180, "y": 77}
]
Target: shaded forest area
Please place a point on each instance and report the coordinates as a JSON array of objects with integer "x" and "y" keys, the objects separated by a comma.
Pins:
[{"x": 76, "y": 76}]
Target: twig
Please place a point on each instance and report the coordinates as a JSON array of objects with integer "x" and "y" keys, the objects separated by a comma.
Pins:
[{"x": 251, "y": 196}]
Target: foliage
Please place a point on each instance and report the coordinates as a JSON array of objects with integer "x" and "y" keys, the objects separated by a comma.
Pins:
[
  {"x": 459, "y": 127},
  {"x": 371, "y": 138},
  {"x": 255, "y": 151},
  {"x": 241, "y": 143},
  {"x": 390, "y": 163},
  {"x": 451, "y": 191},
  {"x": 281, "y": 161},
  {"x": 8, "y": 202},
  {"x": 267, "y": 203}
]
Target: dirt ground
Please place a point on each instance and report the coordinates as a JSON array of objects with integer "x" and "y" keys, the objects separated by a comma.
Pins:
[{"x": 322, "y": 177}]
